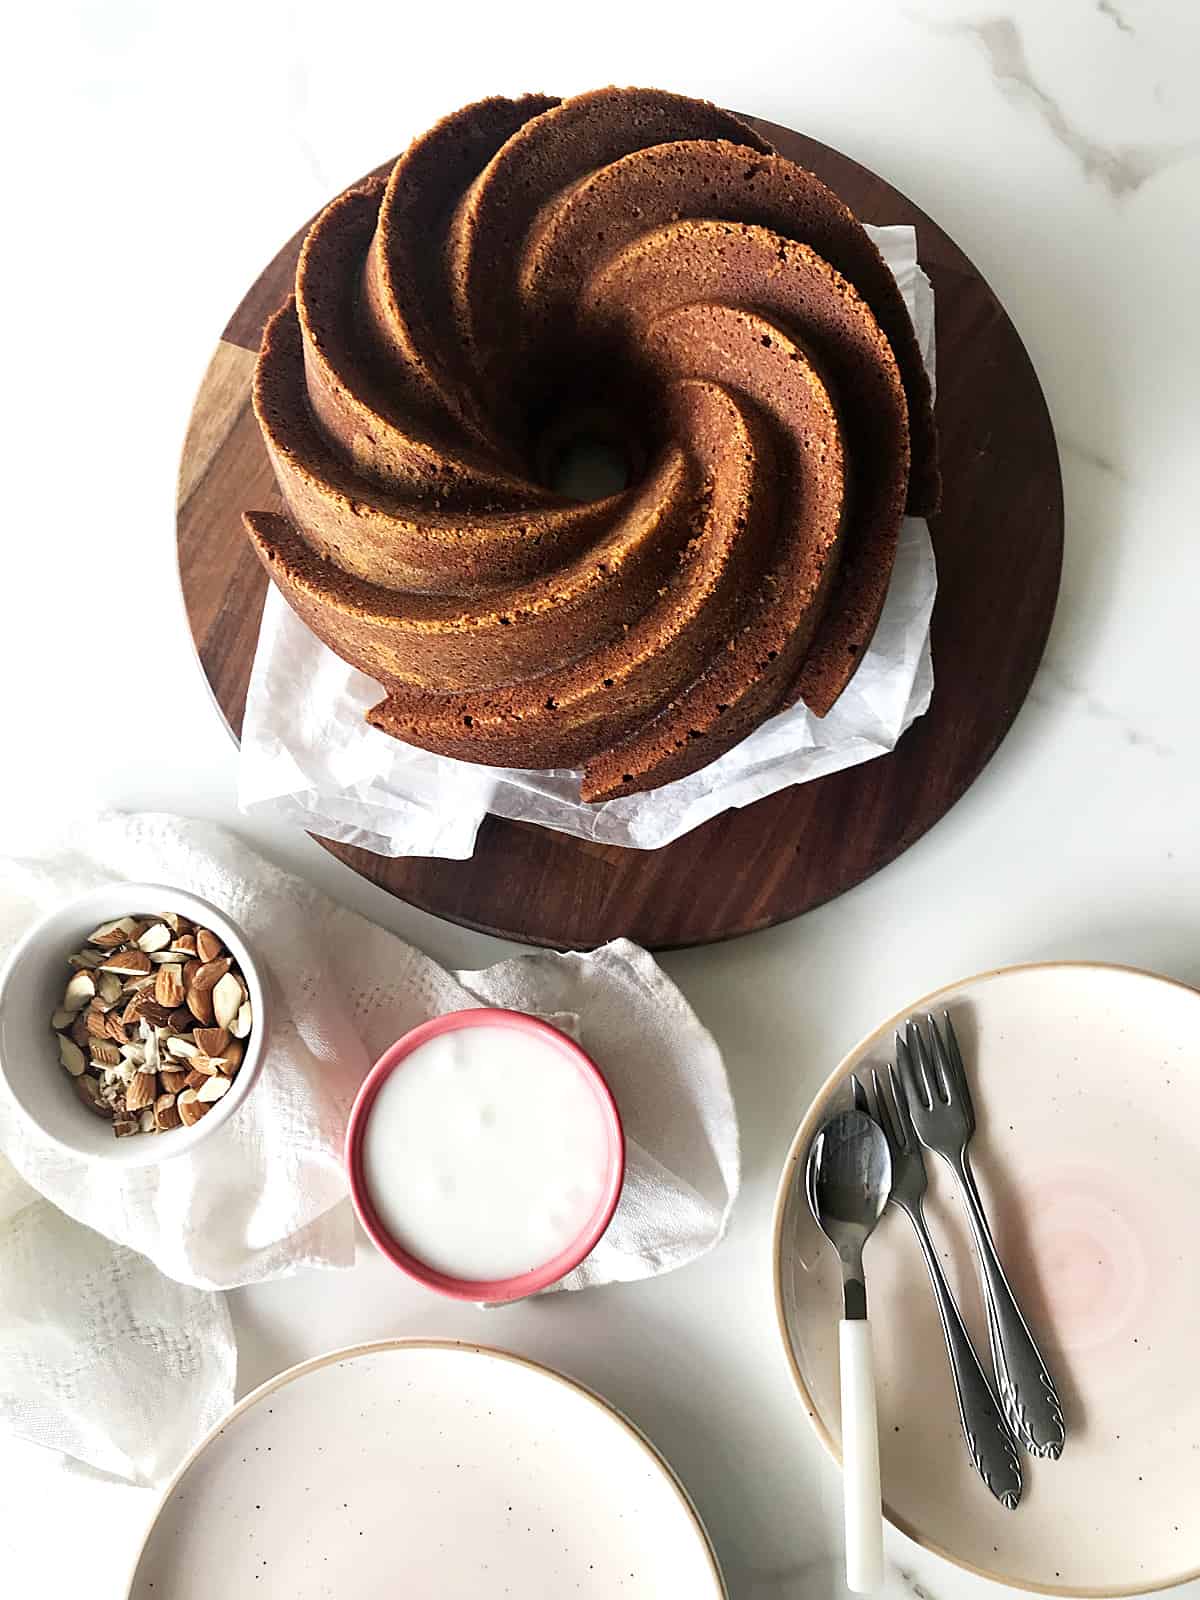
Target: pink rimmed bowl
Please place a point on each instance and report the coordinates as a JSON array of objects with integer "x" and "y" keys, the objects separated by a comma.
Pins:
[{"x": 497, "y": 1290}]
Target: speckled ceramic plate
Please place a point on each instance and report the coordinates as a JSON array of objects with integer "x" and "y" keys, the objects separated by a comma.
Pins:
[
  {"x": 425, "y": 1469},
  {"x": 1086, "y": 1082}
]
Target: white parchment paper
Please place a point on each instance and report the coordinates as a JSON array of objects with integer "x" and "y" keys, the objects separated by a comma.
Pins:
[{"x": 309, "y": 757}]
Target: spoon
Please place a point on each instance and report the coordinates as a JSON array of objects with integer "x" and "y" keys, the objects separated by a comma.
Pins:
[{"x": 849, "y": 1178}]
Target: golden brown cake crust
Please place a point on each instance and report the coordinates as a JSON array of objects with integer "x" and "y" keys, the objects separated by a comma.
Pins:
[
  {"x": 695, "y": 179},
  {"x": 795, "y": 289},
  {"x": 626, "y": 264}
]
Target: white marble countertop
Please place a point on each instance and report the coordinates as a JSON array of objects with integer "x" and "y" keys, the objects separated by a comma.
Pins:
[{"x": 157, "y": 156}]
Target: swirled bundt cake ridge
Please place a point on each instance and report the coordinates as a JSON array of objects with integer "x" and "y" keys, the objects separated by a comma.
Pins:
[
  {"x": 627, "y": 264},
  {"x": 406, "y": 292},
  {"x": 693, "y": 180}
]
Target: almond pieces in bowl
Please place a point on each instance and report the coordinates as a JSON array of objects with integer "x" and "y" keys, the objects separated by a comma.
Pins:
[{"x": 153, "y": 1022}]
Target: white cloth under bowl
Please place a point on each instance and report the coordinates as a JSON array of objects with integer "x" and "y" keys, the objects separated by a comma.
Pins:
[
  {"x": 309, "y": 757},
  {"x": 268, "y": 1193}
]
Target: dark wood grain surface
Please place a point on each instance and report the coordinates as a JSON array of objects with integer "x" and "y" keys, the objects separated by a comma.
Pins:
[{"x": 998, "y": 541}]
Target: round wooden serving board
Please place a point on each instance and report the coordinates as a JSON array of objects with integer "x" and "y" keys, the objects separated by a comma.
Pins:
[{"x": 998, "y": 541}]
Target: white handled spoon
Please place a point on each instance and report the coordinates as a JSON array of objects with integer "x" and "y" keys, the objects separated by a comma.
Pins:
[{"x": 849, "y": 1178}]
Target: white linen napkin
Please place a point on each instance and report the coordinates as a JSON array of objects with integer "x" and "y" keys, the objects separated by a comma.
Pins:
[
  {"x": 101, "y": 1357},
  {"x": 267, "y": 1194},
  {"x": 308, "y": 757}
]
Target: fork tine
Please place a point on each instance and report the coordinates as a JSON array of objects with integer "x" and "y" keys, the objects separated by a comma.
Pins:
[
  {"x": 861, "y": 1103},
  {"x": 914, "y": 1066},
  {"x": 903, "y": 1114},
  {"x": 947, "y": 1080},
  {"x": 885, "y": 1116},
  {"x": 953, "y": 1051},
  {"x": 904, "y": 1066}
]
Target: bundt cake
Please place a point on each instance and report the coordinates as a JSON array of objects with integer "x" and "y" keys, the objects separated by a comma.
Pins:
[{"x": 626, "y": 266}]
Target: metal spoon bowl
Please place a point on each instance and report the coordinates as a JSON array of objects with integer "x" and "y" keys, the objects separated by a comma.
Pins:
[{"x": 848, "y": 1176}]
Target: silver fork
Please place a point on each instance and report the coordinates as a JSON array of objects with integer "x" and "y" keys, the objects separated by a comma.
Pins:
[
  {"x": 939, "y": 1099},
  {"x": 988, "y": 1440}
]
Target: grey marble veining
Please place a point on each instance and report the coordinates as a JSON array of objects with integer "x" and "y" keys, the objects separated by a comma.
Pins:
[
  {"x": 817, "y": 1579},
  {"x": 1121, "y": 23},
  {"x": 1122, "y": 169},
  {"x": 823, "y": 1578},
  {"x": 1055, "y": 682},
  {"x": 912, "y": 1586},
  {"x": 1090, "y": 456}
]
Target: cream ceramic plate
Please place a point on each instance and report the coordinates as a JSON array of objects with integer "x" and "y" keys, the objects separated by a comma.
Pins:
[
  {"x": 1086, "y": 1082},
  {"x": 424, "y": 1469}
]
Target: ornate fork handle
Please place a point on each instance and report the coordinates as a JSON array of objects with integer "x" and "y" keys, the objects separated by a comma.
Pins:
[
  {"x": 988, "y": 1439},
  {"x": 1027, "y": 1393}
]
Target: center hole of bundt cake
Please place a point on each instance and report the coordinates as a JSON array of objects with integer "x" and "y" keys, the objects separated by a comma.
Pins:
[
  {"x": 588, "y": 468},
  {"x": 582, "y": 450}
]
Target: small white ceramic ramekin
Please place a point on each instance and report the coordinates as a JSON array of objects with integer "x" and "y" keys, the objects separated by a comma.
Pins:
[{"x": 31, "y": 988}]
